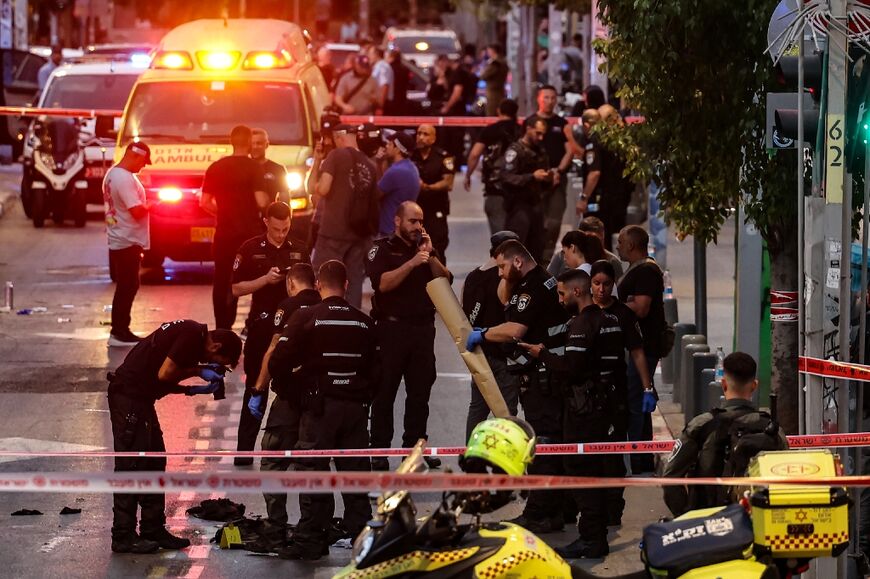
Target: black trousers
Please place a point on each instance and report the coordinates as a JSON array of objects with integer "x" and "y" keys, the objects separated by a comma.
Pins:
[
  {"x": 284, "y": 435},
  {"x": 527, "y": 221},
  {"x": 135, "y": 427},
  {"x": 342, "y": 425},
  {"x": 438, "y": 231},
  {"x": 125, "y": 263},
  {"x": 543, "y": 411},
  {"x": 594, "y": 504},
  {"x": 259, "y": 337},
  {"x": 225, "y": 305},
  {"x": 407, "y": 351}
]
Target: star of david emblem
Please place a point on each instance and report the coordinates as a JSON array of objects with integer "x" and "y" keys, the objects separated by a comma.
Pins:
[
  {"x": 490, "y": 441},
  {"x": 800, "y": 515}
]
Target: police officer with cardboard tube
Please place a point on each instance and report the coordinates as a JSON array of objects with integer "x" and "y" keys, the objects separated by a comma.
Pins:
[
  {"x": 260, "y": 269},
  {"x": 533, "y": 315},
  {"x": 154, "y": 367},
  {"x": 335, "y": 345},
  {"x": 285, "y": 415},
  {"x": 399, "y": 267}
]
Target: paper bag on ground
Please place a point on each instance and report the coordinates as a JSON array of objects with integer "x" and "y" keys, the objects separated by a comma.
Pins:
[{"x": 448, "y": 307}]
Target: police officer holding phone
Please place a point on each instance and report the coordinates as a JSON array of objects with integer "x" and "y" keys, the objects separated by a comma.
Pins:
[{"x": 260, "y": 269}]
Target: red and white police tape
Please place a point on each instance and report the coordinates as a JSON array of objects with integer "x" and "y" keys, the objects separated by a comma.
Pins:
[
  {"x": 833, "y": 369},
  {"x": 653, "y": 446},
  {"x": 389, "y": 120},
  {"x": 326, "y": 481}
]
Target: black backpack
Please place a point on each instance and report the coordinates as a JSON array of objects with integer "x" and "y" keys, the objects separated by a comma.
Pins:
[
  {"x": 362, "y": 215},
  {"x": 740, "y": 434},
  {"x": 493, "y": 153}
]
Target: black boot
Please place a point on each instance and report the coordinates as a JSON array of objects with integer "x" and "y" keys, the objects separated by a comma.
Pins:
[
  {"x": 165, "y": 539},
  {"x": 581, "y": 549},
  {"x": 134, "y": 544}
]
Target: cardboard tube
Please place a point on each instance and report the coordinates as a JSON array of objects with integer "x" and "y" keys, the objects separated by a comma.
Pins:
[{"x": 448, "y": 307}]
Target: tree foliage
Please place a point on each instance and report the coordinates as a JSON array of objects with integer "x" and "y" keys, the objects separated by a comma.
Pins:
[{"x": 697, "y": 71}]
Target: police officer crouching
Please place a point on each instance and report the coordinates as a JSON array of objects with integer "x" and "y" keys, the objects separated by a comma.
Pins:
[
  {"x": 283, "y": 425},
  {"x": 260, "y": 269},
  {"x": 153, "y": 369},
  {"x": 532, "y": 314},
  {"x": 335, "y": 345}
]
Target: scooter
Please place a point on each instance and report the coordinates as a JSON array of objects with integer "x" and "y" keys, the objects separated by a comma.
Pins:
[
  {"x": 53, "y": 182},
  {"x": 701, "y": 544}
]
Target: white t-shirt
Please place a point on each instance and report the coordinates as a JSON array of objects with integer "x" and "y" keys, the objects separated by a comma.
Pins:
[
  {"x": 121, "y": 191},
  {"x": 382, "y": 72},
  {"x": 587, "y": 267}
]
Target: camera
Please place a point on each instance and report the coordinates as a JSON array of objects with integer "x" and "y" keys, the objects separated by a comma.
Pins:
[{"x": 369, "y": 139}]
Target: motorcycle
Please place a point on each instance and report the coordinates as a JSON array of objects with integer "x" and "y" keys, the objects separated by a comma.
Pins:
[
  {"x": 53, "y": 182},
  {"x": 701, "y": 544}
]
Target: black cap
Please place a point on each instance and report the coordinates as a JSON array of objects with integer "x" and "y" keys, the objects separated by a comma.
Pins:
[
  {"x": 141, "y": 149},
  {"x": 404, "y": 142},
  {"x": 368, "y": 131},
  {"x": 344, "y": 127},
  {"x": 500, "y": 237}
]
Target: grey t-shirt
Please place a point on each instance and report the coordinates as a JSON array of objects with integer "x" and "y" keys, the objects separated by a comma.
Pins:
[
  {"x": 365, "y": 98},
  {"x": 352, "y": 173}
]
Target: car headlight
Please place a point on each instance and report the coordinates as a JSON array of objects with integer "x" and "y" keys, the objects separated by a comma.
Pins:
[
  {"x": 298, "y": 203},
  {"x": 363, "y": 545},
  {"x": 295, "y": 180}
]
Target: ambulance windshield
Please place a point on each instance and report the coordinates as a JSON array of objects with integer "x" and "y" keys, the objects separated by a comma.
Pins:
[{"x": 206, "y": 111}]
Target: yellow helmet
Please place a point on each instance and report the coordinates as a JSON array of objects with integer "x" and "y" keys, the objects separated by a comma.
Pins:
[{"x": 504, "y": 443}]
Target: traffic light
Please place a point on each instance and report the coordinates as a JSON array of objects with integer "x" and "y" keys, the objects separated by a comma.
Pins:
[
  {"x": 786, "y": 119},
  {"x": 858, "y": 112}
]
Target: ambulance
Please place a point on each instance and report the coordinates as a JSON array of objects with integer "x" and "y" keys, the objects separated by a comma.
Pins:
[{"x": 205, "y": 77}]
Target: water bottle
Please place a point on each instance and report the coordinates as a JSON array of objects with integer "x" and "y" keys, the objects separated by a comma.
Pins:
[
  {"x": 669, "y": 289},
  {"x": 720, "y": 364}
]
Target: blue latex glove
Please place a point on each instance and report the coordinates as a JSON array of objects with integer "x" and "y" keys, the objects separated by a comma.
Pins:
[
  {"x": 210, "y": 388},
  {"x": 649, "y": 401},
  {"x": 475, "y": 338},
  {"x": 254, "y": 406},
  {"x": 209, "y": 374}
]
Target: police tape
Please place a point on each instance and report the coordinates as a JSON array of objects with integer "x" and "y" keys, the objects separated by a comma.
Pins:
[
  {"x": 306, "y": 482},
  {"x": 381, "y": 120},
  {"x": 833, "y": 369},
  {"x": 855, "y": 439}
]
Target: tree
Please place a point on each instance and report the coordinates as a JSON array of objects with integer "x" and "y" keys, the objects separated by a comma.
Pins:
[{"x": 697, "y": 71}]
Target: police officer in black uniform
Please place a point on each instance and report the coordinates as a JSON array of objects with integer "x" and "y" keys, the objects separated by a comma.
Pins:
[
  {"x": 335, "y": 345},
  {"x": 533, "y": 315},
  {"x": 283, "y": 424},
  {"x": 523, "y": 174},
  {"x": 260, "y": 269},
  {"x": 400, "y": 266},
  {"x": 589, "y": 202},
  {"x": 153, "y": 368},
  {"x": 436, "y": 167}
]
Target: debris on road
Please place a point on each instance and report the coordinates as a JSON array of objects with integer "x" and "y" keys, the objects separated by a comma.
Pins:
[
  {"x": 26, "y": 512},
  {"x": 69, "y": 511}
]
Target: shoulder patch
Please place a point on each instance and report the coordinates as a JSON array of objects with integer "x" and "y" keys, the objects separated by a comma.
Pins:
[
  {"x": 510, "y": 156},
  {"x": 550, "y": 283},
  {"x": 523, "y": 302},
  {"x": 279, "y": 315},
  {"x": 590, "y": 157},
  {"x": 514, "y": 299},
  {"x": 373, "y": 252},
  {"x": 678, "y": 444},
  {"x": 237, "y": 261},
  {"x": 448, "y": 163}
]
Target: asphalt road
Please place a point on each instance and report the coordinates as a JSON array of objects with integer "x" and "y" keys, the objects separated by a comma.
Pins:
[{"x": 52, "y": 397}]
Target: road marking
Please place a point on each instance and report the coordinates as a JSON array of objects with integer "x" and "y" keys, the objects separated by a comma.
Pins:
[
  {"x": 200, "y": 445},
  {"x": 453, "y": 219},
  {"x": 198, "y": 551},
  {"x": 35, "y": 445},
  {"x": 52, "y": 544},
  {"x": 194, "y": 572},
  {"x": 84, "y": 334}
]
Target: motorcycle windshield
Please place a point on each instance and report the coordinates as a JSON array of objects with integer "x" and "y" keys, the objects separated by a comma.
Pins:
[
  {"x": 390, "y": 500},
  {"x": 63, "y": 138}
]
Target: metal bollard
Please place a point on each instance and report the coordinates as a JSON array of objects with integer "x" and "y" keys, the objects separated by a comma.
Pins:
[
  {"x": 713, "y": 390},
  {"x": 679, "y": 376},
  {"x": 672, "y": 369},
  {"x": 687, "y": 376},
  {"x": 667, "y": 363},
  {"x": 696, "y": 403}
]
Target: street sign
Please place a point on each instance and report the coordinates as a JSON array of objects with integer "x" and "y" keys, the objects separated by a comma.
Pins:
[{"x": 785, "y": 13}]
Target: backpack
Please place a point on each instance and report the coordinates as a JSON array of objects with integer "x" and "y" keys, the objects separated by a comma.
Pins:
[
  {"x": 739, "y": 434},
  {"x": 362, "y": 215},
  {"x": 492, "y": 154}
]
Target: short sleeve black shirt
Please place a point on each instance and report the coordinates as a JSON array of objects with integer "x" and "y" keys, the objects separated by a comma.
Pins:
[
  {"x": 274, "y": 179},
  {"x": 554, "y": 139},
  {"x": 409, "y": 301},
  {"x": 646, "y": 280},
  {"x": 535, "y": 304},
  {"x": 255, "y": 258},
  {"x": 288, "y": 307},
  {"x": 481, "y": 304},
  {"x": 233, "y": 181},
  {"x": 182, "y": 341},
  {"x": 618, "y": 332},
  {"x": 433, "y": 169},
  {"x": 465, "y": 79}
]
